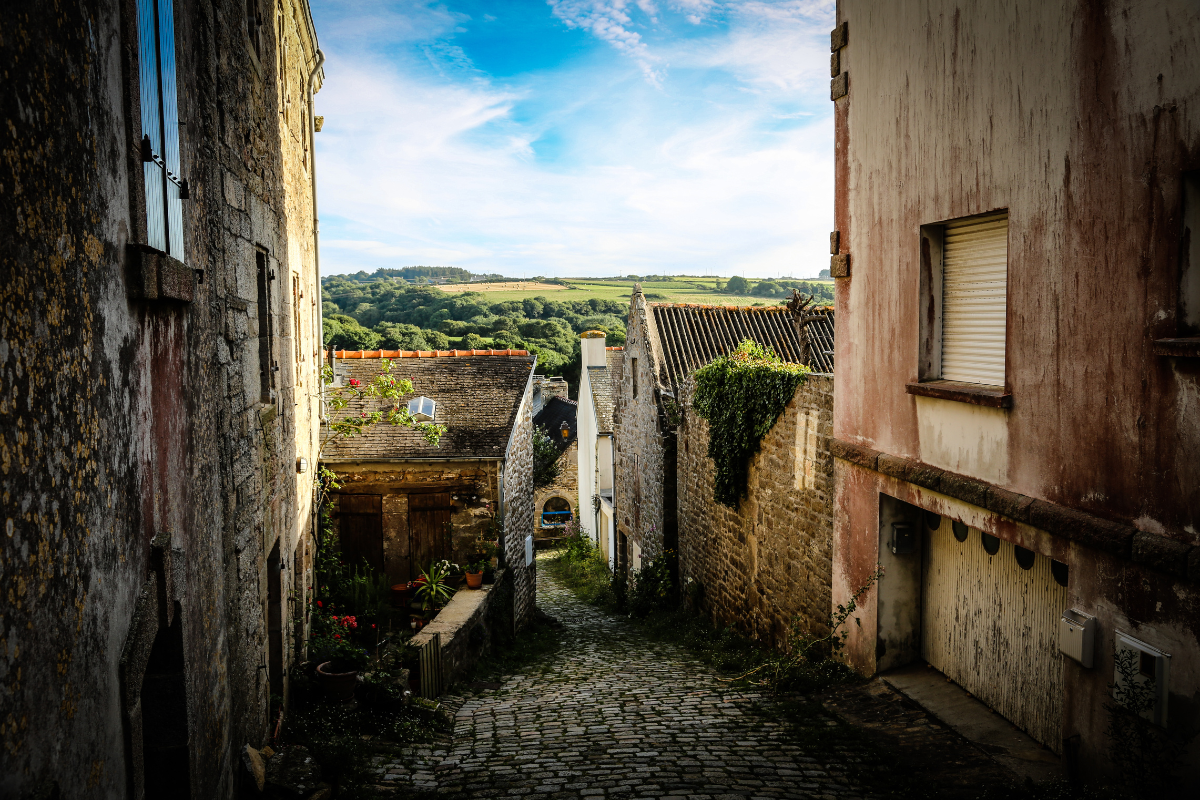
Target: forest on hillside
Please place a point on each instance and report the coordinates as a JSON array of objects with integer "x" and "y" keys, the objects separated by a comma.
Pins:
[{"x": 388, "y": 312}]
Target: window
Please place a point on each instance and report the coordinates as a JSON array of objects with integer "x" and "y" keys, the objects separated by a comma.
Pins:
[
  {"x": 297, "y": 294},
  {"x": 266, "y": 328},
  {"x": 633, "y": 375},
  {"x": 422, "y": 409},
  {"x": 964, "y": 313},
  {"x": 253, "y": 28},
  {"x": 1189, "y": 279},
  {"x": 165, "y": 190}
]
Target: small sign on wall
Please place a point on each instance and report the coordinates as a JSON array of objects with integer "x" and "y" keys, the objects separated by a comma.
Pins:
[{"x": 528, "y": 550}]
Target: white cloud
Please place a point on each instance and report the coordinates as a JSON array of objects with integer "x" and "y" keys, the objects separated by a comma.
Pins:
[
  {"x": 420, "y": 168},
  {"x": 609, "y": 21}
]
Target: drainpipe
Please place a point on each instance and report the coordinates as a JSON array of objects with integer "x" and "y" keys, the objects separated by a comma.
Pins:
[{"x": 312, "y": 137}]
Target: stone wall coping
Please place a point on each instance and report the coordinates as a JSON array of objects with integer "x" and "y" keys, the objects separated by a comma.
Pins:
[
  {"x": 465, "y": 604},
  {"x": 1151, "y": 550}
]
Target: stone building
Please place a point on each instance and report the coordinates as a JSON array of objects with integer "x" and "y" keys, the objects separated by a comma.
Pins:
[
  {"x": 156, "y": 356},
  {"x": 600, "y": 375},
  {"x": 666, "y": 343},
  {"x": 1018, "y": 383},
  {"x": 404, "y": 503},
  {"x": 555, "y": 504}
]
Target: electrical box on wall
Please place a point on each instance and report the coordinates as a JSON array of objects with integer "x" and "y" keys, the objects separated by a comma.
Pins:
[
  {"x": 528, "y": 550},
  {"x": 1140, "y": 667},
  {"x": 902, "y": 538},
  {"x": 1077, "y": 636}
]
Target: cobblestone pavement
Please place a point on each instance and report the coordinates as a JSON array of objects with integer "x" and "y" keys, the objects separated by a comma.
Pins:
[{"x": 613, "y": 714}]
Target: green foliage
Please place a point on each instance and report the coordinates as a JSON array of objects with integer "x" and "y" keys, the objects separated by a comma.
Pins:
[
  {"x": 737, "y": 285},
  {"x": 545, "y": 458},
  {"x": 343, "y": 332},
  {"x": 741, "y": 396},
  {"x": 434, "y": 592},
  {"x": 583, "y": 570},
  {"x": 1146, "y": 757},
  {"x": 651, "y": 587}
]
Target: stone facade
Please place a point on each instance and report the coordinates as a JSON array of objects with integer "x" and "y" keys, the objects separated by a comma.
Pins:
[
  {"x": 644, "y": 458},
  {"x": 517, "y": 506},
  {"x": 473, "y": 488},
  {"x": 565, "y": 486},
  {"x": 148, "y": 478},
  {"x": 768, "y": 561}
]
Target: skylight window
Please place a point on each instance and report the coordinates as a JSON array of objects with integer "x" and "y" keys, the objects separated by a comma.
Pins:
[{"x": 422, "y": 408}]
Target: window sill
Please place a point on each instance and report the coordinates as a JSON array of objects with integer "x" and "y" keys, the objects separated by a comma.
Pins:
[
  {"x": 973, "y": 393},
  {"x": 1179, "y": 348}
]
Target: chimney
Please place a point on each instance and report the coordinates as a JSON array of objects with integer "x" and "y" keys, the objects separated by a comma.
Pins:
[{"x": 591, "y": 344}]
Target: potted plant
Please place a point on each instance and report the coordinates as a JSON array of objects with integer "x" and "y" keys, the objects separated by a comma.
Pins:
[
  {"x": 474, "y": 571},
  {"x": 339, "y": 659},
  {"x": 434, "y": 592}
]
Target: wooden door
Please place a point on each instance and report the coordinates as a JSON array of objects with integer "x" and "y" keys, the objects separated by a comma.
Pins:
[
  {"x": 360, "y": 518},
  {"x": 428, "y": 529}
]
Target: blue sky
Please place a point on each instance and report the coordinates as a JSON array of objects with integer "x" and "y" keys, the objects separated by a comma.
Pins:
[{"x": 576, "y": 137}]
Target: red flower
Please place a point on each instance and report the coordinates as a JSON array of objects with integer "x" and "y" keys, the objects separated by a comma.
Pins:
[
  {"x": 336, "y": 636},
  {"x": 354, "y": 381},
  {"x": 319, "y": 604},
  {"x": 372, "y": 625}
]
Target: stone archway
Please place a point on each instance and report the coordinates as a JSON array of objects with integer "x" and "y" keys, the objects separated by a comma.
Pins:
[{"x": 554, "y": 510}]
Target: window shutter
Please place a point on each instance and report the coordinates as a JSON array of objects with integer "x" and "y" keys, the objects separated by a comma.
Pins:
[
  {"x": 160, "y": 126},
  {"x": 170, "y": 107},
  {"x": 974, "y": 299}
]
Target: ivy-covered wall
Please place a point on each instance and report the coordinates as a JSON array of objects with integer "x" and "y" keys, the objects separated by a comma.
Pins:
[{"x": 768, "y": 560}]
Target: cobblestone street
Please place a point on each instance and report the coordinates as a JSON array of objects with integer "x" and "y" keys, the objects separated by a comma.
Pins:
[{"x": 613, "y": 714}]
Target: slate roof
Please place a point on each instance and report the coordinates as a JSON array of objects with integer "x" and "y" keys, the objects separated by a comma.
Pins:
[
  {"x": 602, "y": 397},
  {"x": 553, "y": 415},
  {"x": 819, "y": 333},
  {"x": 694, "y": 335},
  {"x": 477, "y": 400}
]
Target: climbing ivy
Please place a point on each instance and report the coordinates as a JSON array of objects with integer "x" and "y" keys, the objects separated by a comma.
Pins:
[{"x": 741, "y": 395}]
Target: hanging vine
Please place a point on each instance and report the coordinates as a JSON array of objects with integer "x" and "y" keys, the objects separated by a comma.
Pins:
[{"x": 741, "y": 395}]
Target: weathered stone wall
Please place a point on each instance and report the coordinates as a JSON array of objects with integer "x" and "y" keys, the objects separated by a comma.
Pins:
[
  {"x": 769, "y": 560},
  {"x": 300, "y": 357},
  {"x": 566, "y": 486},
  {"x": 518, "y": 514},
  {"x": 472, "y": 486},
  {"x": 643, "y": 462},
  {"x": 124, "y": 418}
]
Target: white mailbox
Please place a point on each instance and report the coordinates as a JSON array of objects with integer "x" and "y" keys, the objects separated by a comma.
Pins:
[{"x": 1077, "y": 636}]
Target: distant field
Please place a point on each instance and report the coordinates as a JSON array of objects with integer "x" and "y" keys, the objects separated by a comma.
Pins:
[
  {"x": 688, "y": 290},
  {"x": 524, "y": 287}
]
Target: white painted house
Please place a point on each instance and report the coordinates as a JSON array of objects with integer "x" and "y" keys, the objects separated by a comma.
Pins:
[{"x": 600, "y": 374}]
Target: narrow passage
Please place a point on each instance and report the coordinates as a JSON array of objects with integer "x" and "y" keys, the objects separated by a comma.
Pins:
[{"x": 613, "y": 714}]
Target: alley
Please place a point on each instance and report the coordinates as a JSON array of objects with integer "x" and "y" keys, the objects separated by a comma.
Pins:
[{"x": 613, "y": 714}]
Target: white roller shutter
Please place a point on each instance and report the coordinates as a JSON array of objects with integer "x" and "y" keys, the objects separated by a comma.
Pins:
[{"x": 974, "y": 299}]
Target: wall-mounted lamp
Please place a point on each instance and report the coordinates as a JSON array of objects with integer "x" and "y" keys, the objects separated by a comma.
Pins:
[
  {"x": 301, "y": 465},
  {"x": 566, "y": 430}
]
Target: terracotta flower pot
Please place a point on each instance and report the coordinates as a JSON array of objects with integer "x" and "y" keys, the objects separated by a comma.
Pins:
[
  {"x": 474, "y": 580},
  {"x": 339, "y": 686},
  {"x": 401, "y": 594}
]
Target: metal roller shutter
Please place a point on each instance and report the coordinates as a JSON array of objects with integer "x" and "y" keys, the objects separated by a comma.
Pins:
[
  {"x": 992, "y": 627},
  {"x": 974, "y": 299}
]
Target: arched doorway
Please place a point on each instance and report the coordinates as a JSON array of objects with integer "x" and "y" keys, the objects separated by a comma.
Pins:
[{"x": 556, "y": 512}]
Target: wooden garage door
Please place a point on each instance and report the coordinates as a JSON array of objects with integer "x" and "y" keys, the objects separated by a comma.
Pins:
[
  {"x": 429, "y": 529},
  {"x": 360, "y": 530},
  {"x": 992, "y": 627}
]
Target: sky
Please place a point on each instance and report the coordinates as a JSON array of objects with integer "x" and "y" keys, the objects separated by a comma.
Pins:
[{"x": 576, "y": 137}]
